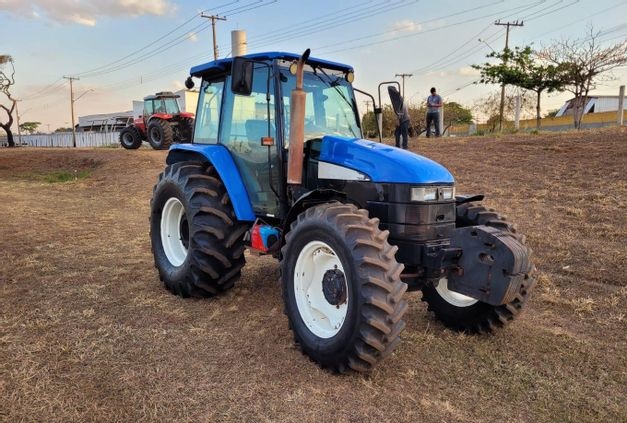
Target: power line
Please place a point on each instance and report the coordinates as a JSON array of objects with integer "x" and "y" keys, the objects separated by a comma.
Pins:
[
  {"x": 337, "y": 18},
  {"x": 370, "y": 44},
  {"x": 139, "y": 50},
  {"x": 48, "y": 89}
]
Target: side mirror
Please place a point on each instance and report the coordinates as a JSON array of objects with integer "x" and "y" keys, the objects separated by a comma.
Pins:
[
  {"x": 242, "y": 76},
  {"x": 189, "y": 83}
]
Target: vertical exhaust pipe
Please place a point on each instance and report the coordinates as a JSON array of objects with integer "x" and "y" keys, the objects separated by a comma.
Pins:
[{"x": 297, "y": 125}]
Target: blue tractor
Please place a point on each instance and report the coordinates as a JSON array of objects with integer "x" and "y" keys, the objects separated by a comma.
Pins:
[{"x": 278, "y": 166}]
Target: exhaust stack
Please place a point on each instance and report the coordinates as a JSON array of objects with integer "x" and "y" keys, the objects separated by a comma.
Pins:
[{"x": 297, "y": 125}]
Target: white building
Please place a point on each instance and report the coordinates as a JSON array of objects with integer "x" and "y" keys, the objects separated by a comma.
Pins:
[
  {"x": 104, "y": 122},
  {"x": 595, "y": 104}
]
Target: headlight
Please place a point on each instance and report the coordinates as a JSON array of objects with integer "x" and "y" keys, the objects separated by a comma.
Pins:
[
  {"x": 448, "y": 193},
  {"x": 432, "y": 193}
]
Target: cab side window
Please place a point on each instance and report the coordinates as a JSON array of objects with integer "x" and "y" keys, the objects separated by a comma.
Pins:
[
  {"x": 208, "y": 112},
  {"x": 148, "y": 108}
]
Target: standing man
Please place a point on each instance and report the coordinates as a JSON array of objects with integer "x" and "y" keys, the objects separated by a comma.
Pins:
[
  {"x": 402, "y": 113},
  {"x": 434, "y": 108}
]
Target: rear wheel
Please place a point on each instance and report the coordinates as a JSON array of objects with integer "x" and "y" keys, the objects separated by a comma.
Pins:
[
  {"x": 130, "y": 138},
  {"x": 341, "y": 287},
  {"x": 186, "y": 129},
  {"x": 160, "y": 134},
  {"x": 197, "y": 242},
  {"x": 463, "y": 313}
]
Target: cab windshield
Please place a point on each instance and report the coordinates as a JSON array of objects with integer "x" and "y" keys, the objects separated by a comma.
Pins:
[
  {"x": 329, "y": 105},
  {"x": 166, "y": 105}
]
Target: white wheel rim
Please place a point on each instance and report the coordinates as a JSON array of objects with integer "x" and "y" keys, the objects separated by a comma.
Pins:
[
  {"x": 452, "y": 297},
  {"x": 171, "y": 239},
  {"x": 322, "y": 318}
]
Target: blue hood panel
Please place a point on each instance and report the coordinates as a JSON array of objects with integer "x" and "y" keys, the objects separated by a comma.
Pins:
[{"x": 383, "y": 163}]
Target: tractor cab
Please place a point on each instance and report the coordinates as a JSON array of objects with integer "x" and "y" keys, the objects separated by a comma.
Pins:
[
  {"x": 164, "y": 104},
  {"x": 240, "y": 111}
]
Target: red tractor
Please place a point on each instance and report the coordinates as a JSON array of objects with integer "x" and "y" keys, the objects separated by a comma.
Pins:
[{"x": 161, "y": 124}]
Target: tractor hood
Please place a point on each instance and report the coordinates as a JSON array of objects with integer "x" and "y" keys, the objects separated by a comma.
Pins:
[{"x": 383, "y": 163}]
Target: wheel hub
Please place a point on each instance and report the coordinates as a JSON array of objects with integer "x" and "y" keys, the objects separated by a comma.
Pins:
[
  {"x": 321, "y": 289},
  {"x": 174, "y": 231},
  {"x": 334, "y": 287}
]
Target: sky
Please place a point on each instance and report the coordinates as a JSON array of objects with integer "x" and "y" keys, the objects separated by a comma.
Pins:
[{"x": 123, "y": 50}]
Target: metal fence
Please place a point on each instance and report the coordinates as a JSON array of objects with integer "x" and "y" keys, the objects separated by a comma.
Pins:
[{"x": 64, "y": 139}]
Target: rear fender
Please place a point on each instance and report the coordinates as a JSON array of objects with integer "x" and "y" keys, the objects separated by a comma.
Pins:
[
  {"x": 140, "y": 125},
  {"x": 220, "y": 158},
  {"x": 164, "y": 116}
]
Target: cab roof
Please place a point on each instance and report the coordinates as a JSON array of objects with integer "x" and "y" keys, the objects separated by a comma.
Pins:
[
  {"x": 162, "y": 94},
  {"x": 223, "y": 65}
]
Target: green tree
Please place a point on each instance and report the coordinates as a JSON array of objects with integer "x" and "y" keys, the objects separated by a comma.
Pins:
[
  {"x": 520, "y": 67},
  {"x": 454, "y": 113},
  {"x": 29, "y": 127}
]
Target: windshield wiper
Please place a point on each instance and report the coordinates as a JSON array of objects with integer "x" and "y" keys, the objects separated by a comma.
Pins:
[{"x": 334, "y": 84}]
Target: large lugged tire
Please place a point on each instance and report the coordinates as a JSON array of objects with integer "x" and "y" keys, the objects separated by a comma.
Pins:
[
  {"x": 341, "y": 287},
  {"x": 463, "y": 313},
  {"x": 130, "y": 138},
  {"x": 160, "y": 134},
  {"x": 186, "y": 130},
  {"x": 196, "y": 238}
]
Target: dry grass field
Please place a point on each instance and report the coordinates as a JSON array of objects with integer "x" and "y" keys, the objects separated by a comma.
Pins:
[{"x": 87, "y": 333}]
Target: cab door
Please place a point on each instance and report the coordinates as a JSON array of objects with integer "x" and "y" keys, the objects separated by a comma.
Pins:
[{"x": 245, "y": 121}]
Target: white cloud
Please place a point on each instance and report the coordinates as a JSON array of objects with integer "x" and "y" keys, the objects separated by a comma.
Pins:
[
  {"x": 468, "y": 71},
  {"x": 192, "y": 36},
  {"x": 178, "y": 85},
  {"x": 84, "y": 12},
  {"x": 406, "y": 25}
]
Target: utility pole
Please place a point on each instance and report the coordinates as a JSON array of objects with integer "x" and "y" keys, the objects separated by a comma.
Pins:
[
  {"x": 507, "y": 25},
  {"x": 72, "y": 79},
  {"x": 404, "y": 75},
  {"x": 214, "y": 18},
  {"x": 367, "y": 103},
  {"x": 621, "y": 105}
]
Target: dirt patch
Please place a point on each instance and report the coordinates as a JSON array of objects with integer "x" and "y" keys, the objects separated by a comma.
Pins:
[
  {"x": 87, "y": 333},
  {"x": 54, "y": 166}
]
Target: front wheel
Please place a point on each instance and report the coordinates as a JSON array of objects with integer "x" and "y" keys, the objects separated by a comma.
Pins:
[
  {"x": 130, "y": 138},
  {"x": 160, "y": 134},
  {"x": 462, "y": 313},
  {"x": 341, "y": 287}
]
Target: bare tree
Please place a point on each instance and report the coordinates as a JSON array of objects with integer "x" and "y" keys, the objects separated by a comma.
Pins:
[
  {"x": 6, "y": 81},
  {"x": 487, "y": 108},
  {"x": 584, "y": 60}
]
